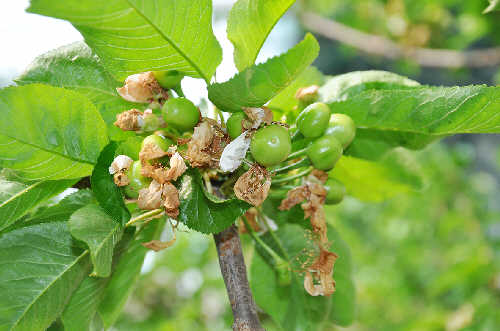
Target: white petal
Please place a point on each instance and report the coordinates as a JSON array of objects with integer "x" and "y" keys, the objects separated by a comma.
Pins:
[
  {"x": 119, "y": 163},
  {"x": 234, "y": 153}
]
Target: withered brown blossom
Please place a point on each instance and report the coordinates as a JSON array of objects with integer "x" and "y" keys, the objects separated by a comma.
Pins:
[
  {"x": 318, "y": 278},
  {"x": 158, "y": 195},
  {"x": 307, "y": 94},
  {"x": 206, "y": 145},
  {"x": 118, "y": 169},
  {"x": 130, "y": 120},
  {"x": 157, "y": 245},
  {"x": 253, "y": 186},
  {"x": 143, "y": 88},
  {"x": 257, "y": 116}
]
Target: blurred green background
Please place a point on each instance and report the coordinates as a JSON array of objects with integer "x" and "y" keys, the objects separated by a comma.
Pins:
[{"x": 428, "y": 260}]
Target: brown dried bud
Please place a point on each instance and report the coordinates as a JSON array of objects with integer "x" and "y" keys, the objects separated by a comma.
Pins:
[
  {"x": 141, "y": 87},
  {"x": 307, "y": 95},
  {"x": 253, "y": 186}
]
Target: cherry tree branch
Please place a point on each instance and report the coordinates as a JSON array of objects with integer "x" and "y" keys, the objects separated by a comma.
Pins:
[
  {"x": 232, "y": 266},
  {"x": 377, "y": 45}
]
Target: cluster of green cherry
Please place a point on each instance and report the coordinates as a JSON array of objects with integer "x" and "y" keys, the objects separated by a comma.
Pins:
[
  {"x": 319, "y": 139},
  {"x": 316, "y": 141}
]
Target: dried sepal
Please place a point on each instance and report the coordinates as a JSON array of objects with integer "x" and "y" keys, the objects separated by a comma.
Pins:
[
  {"x": 253, "y": 186},
  {"x": 251, "y": 216},
  {"x": 257, "y": 116},
  {"x": 160, "y": 195},
  {"x": 206, "y": 144},
  {"x": 143, "y": 88},
  {"x": 307, "y": 94},
  {"x": 171, "y": 200}
]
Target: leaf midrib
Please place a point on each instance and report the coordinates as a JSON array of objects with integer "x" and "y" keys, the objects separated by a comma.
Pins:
[
  {"x": 48, "y": 151},
  {"x": 171, "y": 42},
  {"x": 13, "y": 197},
  {"x": 48, "y": 287}
]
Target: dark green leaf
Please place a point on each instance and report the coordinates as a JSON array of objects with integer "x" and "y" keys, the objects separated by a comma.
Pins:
[
  {"x": 290, "y": 306},
  {"x": 248, "y": 25},
  {"x": 132, "y": 36},
  {"x": 426, "y": 110},
  {"x": 81, "y": 309},
  {"x": 204, "y": 213},
  {"x": 75, "y": 67},
  {"x": 49, "y": 133},
  {"x": 258, "y": 84},
  {"x": 41, "y": 267},
  {"x": 17, "y": 199},
  {"x": 93, "y": 226},
  {"x": 108, "y": 195},
  {"x": 126, "y": 274}
]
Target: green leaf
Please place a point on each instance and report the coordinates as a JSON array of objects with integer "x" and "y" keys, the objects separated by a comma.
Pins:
[
  {"x": 81, "y": 309},
  {"x": 429, "y": 110},
  {"x": 345, "y": 86},
  {"x": 130, "y": 147},
  {"x": 132, "y": 36},
  {"x": 17, "y": 199},
  {"x": 258, "y": 84},
  {"x": 494, "y": 5},
  {"x": 41, "y": 267},
  {"x": 286, "y": 101},
  {"x": 248, "y": 25},
  {"x": 291, "y": 306},
  {"x": 76, "y": 67},
  {"x": 49, "y": 133},
  {"x": 202, "y": 212},
  {"x": 108, "y": 195},
  {"x": 93, "y": 226},
  {"x": 394, "y": 174},
  {"x": 126, "y": 273}
]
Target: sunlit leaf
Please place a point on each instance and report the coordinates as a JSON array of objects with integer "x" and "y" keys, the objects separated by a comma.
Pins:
[
  {"x": 248, "y": 25},
  {"x": 258, "y": 84},
  {"x": 49, "y": 133},
  {"x": 132, "y": 36}
]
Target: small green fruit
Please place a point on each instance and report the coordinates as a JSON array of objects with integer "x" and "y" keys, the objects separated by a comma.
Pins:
[
  {"x": 313, "y": 120},
  {"x": 181, "y": 114},
  {"x": 168, "y": 79},
  {"x": 341, "y": 127},
  {"x": 336, "y": 191},
  {"x": 234, "y": 124},
  {"x": 324, "y": 152},
  {"x": 271, "y": 145},
  {"x": 137, "y": 181}
]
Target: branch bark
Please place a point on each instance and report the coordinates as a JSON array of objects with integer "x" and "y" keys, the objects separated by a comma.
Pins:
[
  {"x": 234, "y": 271},
  {"x": 377, "y": 45}
]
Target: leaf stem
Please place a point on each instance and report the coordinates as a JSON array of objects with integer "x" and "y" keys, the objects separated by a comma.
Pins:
[
  {"x": 144, "y": 216},
  {"x": 287, "y": 179},
  {"x": 254, "y": 236}
]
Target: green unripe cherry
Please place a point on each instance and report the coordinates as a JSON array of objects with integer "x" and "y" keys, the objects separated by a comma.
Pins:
[
  {"x": 160, "y": 141},
  {"x": 324, "y": 152},
  {"x": 271, "y": 145},
  {"x": 137, "y": 181},
  {"x": 313, "y": 120},
  {"x": 181, "y": 114},
  {"x": 335, "y": 191},
  {"x": 341, "y": 127},
  {"x": 168, "y": 79},
  {"x": 234, "y": 124}
]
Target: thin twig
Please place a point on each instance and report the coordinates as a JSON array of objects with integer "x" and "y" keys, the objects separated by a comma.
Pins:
[
  {"x": 144, "y": 216},
  {"x": 373, "y": 44}
]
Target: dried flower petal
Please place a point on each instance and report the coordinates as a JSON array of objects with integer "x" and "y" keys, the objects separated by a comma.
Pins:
[
  {"x": 253, "y": 186},
  {"x": 171, "y": 197},
  {"x": 130, "y": 120},
  {"x": 141, "y": 87},
  {"x": 258, "y": 116},
  {"x": 206, "y": 144},
  {"x": 150, "y": 198},
  {"x": 234, "y": 153},
  {"x": 157, "y": 245},
  {"x": 307, "y": 94},
  {"x": 121, "y": 162}
]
